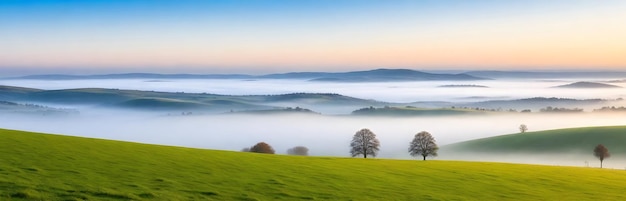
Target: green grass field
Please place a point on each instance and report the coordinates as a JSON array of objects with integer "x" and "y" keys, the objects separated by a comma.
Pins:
[
  {"x": 572, "y": 140},
  {"x": 52, "y": 167}
]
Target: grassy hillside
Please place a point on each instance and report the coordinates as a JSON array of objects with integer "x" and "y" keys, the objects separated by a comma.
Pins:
[
  {"x": 136, "y": 99},
  {"x": 50, "y": 167},
  {"x": 574, "y": 140}
]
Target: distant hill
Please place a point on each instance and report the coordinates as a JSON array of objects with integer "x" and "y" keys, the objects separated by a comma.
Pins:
[
  {"x": 544, "y": 75},
  {"x": 150, "y": 100},
  {"x": 134, "y": 76},
  {"x": 535, "y": 103},
  {"x": 462, "y": 86},
  {"x": 288, "y": 110},
  {"x": 387, "y": 75},
  {"x": 587, "y": 85},
  {"x": 378, "y": 75},
  {"x": 562, "y": 141}
]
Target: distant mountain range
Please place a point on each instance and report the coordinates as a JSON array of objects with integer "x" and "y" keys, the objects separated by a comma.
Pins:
[{"x": 378, "y": 75}]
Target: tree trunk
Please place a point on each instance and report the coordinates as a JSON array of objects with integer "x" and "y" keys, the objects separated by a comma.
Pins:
[
  {"x": 364, "y": 155},
  {"x": 424, "y": 157},
  {"x": 600, "y": 163}
]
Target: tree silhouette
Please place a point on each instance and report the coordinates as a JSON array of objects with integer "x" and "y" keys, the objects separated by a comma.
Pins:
[
  {"x": 601, "y": 153},
  {"x": 299, "y": 150},
  {"x": 423, "y": 144},
  {"x": 364, "y": 143},
  {"x": 523, "y": 128},
  {"x": 262, "y": 147}
]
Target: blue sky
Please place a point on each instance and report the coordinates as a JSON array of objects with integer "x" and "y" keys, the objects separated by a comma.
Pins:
[{"x": 306, "y": 35}]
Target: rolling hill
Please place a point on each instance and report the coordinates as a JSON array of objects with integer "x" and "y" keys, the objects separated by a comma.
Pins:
[
  {"x": 588, "y": 85},
  {"x": 562, "y": 141},
  {"x": 51, "y": 167},
  {"x": 150, "y": 100}
]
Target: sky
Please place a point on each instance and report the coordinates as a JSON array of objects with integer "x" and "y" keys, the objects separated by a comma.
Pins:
[{"x": 254, "y": 36}]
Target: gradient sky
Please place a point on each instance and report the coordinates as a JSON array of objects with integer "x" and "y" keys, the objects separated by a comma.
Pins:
[{"x": 255, "y": 36}]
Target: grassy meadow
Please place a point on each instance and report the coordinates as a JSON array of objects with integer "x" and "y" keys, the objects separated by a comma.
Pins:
[
  {"x": 571, "y": 140},
  {"x": 37, "y": 166}
]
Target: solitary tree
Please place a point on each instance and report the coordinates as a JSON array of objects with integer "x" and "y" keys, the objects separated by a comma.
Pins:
[
  {"x": 262, "y": 147},
  {"x": 364, "y": 143},
  {"x": 299, "y": 150},
  {"x": 601, "y": 153},
  {"x": 423, "y": 144},
  {"x": 523, "y": 128}
]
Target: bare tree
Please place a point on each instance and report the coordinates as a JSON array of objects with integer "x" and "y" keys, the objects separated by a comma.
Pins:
[
  {"x": 364, "y": 143},
  {"x": 247, "y": 149},
  {"x": 523, "y": 128},
  {"x": 299, "y": 150},
  {"x": 423, "y": 144},
  {"x": 601, "y": 153},
  {"x": 262, "y": 147}
]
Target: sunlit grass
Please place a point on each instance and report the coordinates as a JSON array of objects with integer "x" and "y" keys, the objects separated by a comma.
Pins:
[{"x": 51, "y": 167}]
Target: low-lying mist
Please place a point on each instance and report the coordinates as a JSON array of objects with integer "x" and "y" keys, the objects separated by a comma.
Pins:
[
  {"x": 323, "y": 135},
  {"x": 566, "y": 159},
  {"x": 398, "y": 92}
]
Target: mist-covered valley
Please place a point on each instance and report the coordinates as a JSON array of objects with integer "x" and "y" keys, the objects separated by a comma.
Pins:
[
  {"x": 398, "y": 92},
  {"x": 328, "y": 130}
]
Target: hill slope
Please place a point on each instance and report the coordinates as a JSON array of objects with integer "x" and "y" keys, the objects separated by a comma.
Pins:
[
  {"x": 387, "y": 75},
  {"x": 150, "y": 100},
  {"x": 51, "y": 167},
  {"x": 573, "y": 140},
  {"x": 588, "y": 85}
]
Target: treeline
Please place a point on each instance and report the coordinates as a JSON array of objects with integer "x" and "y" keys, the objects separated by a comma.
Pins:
[
  {"x": 265, "y": 148},
  {"x": 611, "y": 109},
  {"x": 364, "y": 143},
  {"x": 557, "y": 109},
  {"x": 548, "y": 109},
  {"x": 29, "y": 108}
]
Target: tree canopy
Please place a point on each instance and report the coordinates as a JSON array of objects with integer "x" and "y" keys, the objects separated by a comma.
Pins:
[
  {"x": 299, "y": 150},
  {"x": 523, "y": 128},
  {"x": 364, "y": 143},
  {"x": 424, "y": 145},
  {"x": 601, "y": 153},
  {"x": 262, "y": 147}
]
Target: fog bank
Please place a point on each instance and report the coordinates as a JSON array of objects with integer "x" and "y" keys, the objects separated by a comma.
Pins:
[{"x": 323, "y": 135}]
